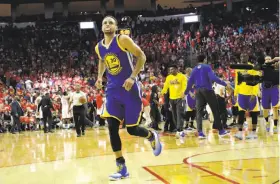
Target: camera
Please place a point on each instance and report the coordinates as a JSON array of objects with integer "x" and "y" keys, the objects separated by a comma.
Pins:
[{"x": 270, "y": 76}]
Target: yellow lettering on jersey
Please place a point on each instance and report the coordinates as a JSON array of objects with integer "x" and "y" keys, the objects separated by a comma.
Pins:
[{"x": 174, "y": 82}]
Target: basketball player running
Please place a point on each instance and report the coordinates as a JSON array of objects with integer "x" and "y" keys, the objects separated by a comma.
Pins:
[
  {"x": 123, "y": 97},
  {"x": 270, "y": 97}
]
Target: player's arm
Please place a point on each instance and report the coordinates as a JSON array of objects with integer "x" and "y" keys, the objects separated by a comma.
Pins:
[
  {"x": 85, "y": 96},
  {"x": 276, "y": 64},
  {"x": 165, "y": 86},
  {"x": 221, "y": 92},
  {"x": 101, "y": 64},
  {"x": 236, "y": 84},
  {"x": 214, "y": 78},
  {"x": 70, "y": 102},
  {"x": 184, "y": 85},
  {"x": 190, "y": 82},
  {"x": 256, "y": 88},
  {"x": 86, "y": 103},
  {"x": 230, "y": 93},
  {"x": 127, "y": 43}
]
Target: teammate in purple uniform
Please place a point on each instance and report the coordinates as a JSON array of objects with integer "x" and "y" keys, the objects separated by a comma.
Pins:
[
  {"x": 270, "y": 98},
  {"x": 190, "y": 103},
  {"x": 123, "y": 97}
]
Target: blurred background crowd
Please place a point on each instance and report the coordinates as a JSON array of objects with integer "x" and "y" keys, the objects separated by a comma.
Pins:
[{"x": 53, "y": 55}]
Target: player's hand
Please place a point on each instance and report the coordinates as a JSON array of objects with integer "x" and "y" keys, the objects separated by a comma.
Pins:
[
  {"x": 128, "y": 83},
  {"x": 192, "y": 95},
  {"x": 228, "y": 84},
  {"x": 98, "y": 83},
  {"x": 229, "y": 89},
  {"x": 183, "y": 96},
  {"x": 276, "y": 66},
  {"x": 252, "y": 98}
]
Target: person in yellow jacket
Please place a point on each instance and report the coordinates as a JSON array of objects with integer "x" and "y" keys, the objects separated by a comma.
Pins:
[
  {"x": 247, "y": 99},
  {"x": 176, "y": 82}
]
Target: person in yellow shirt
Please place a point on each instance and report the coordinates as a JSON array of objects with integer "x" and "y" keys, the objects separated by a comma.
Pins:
[
  {"x": 247, "y": 99},
  {"x": 176, "y": 82}
]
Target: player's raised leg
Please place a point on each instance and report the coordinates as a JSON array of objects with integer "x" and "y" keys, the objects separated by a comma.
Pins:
[
  {"x": 133, "y": 112},
  {"x": 132, "y": 115}
]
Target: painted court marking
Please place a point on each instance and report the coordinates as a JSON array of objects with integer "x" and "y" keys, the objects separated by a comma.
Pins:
[
  {"x": 202, "y": 168},
  {"x": 156, "y": 175}
]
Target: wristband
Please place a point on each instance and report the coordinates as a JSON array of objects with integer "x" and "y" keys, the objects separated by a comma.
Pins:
[{"x": 133, "y": 78}]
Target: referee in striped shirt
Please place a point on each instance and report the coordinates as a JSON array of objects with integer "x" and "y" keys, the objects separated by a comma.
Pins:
[{"x": 79, "y": 102}]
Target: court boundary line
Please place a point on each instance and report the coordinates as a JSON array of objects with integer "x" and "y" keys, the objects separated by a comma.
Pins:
[
  {"x": 156, "y": 175},
  {"x": 207, "y": 162},
  {"x": 211, "y": 172},
  {"x": 185, "y": 161}
]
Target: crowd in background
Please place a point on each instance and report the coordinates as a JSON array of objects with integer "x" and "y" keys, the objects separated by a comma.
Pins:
[{"x": 52, "y": 56}]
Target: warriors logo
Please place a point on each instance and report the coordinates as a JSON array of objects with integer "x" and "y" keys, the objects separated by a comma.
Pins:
[{"x": 113, "y": 63}]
